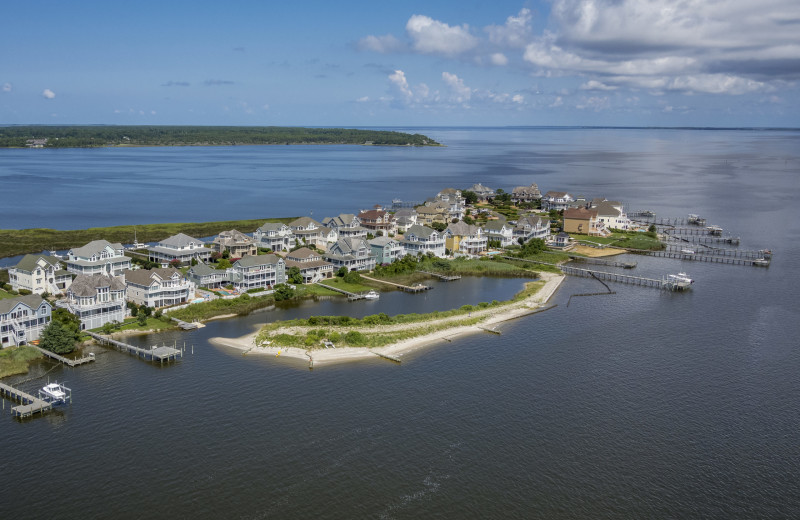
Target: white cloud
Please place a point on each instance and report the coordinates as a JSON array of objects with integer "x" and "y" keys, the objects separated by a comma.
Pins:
[
  {"x": 7, "y": 87},
  {"x": 518, "y": 98},
  {"x": 515, "y": 33},
  {"x": 431, "y": 36},
  {"x": 382, "y": 44},
  {"x": 595, "y": 103},
  {"x": 460, "y": 92},
  {"x": 557, "y": 102},
  {"x": 363, "y": 99},
  {"x": 398, "y": 79},
  {"x": 48, "y": 94},
  {"x": 498, "y": 58},
  {"x": 265, "y": 106},
  {"x": 596, "y": 85}
]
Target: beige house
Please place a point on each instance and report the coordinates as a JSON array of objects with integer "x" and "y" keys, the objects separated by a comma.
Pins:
[
  {"x": 39, "y": 274},
  {"x": 583, "y": 221},
  {"x": 236, "y": 243}
]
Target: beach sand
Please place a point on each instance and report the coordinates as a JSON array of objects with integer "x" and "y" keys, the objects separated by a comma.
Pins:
[{"x": 317, "y": 357}]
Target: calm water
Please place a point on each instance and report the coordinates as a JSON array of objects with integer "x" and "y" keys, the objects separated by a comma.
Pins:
[{"x": 641, "y": 404}]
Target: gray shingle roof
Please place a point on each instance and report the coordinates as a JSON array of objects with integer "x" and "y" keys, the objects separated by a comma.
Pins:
[
  {"x": 28, "y": 262},
  {"x": 144, "y": 276},
  {"x": 31, "y": 300},
  {"x": 87, "y": 285},
  {"x": 462, "y": 229},
  {"x": 179, "y": 240},
  {"x": 251, "y": 261},
  {"x": 420, "y": 231},
  {"x": 94, "y": 247}
]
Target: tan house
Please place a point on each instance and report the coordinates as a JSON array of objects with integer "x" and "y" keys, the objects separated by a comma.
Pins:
[
  {"x": 311, "y": 265},
  {"x": 583, "y": 221},
  {"x": 236, "y": 243}
]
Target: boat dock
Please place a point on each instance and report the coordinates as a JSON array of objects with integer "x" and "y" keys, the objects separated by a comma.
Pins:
[
  {"x": 706, "y": 257},
  {"x": 598, "y": 261},
  {"x": 406, "y": 288},
  {"x": 30, "y": 404},
  {"x": 442, "y": 277},
  {"x": 721, "y": 251},
  {"x": 351, "y": 296},
  {"x": 62, "y": 359},
  {"x": 154, "y": 353},
  {"x": 184, "y": 325},
  {"x": 705, "y": 239}
]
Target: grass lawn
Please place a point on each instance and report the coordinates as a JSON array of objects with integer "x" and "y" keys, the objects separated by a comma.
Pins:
[
  {"x": 4, "y": 294},
  {"x": 14, "y": 360},
  {"x": 133, "y": 324},
  {"x": 364, "y": 286},
  {"x": 315, "y": 290},
  {"x": 632, "y": 240}
]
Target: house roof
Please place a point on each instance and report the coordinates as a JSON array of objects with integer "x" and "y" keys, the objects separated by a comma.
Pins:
[
  {"x": 405, "y": 212},
  {"x": 301, "y": 254},
  {"x": 462, "y": 229},
  {"x": 179, "y": 240},
  {"x": 94, "y": 247},
  {"x": 314, "y": 264},
  {"x": 480, "y": 189},
  {"x": 272, "y": 226},
  {"x": 31, "y": 300},
  {"x": 349, "y": 244},
  {"x": 202, "y": 269},
  {"x": 343, "y": 219},
  {"x": 420, "y": 231},
  {"x": 556, "y": 194},
  {"x": 233, "y": 237},
  {"x": 495, "y": 225},
  {"x": 29, "y": 262},
  {"x": 303, "y": 222},
  {"x": 580, "y": 214},
  {"x": 532, "y": 220},
  {"x": 87, "y": 284},
  {"x": 251, "y": 261},
  {"x": 382, "y": 241},
  {"x": 607, "y": 209},
  {"x": 373, "y": 214},
  {"x": 532, "y": 190},
  {"x": 145, "y": 276}
]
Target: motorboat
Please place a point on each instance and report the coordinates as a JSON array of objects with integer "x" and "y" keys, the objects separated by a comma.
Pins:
[
  {"x": 761, "y": 262},
  {"x": 372, "y": 295},
  {"x": 687, "y": 251},
  {"x": 53, "y": 392}
]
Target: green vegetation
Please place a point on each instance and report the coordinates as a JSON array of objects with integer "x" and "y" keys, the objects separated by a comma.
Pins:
[
  {"x": 5, "y": 294},
  {"x": 357, "y": 287},
  {"x": 20, "y": 241},
  {"x": 15, "y": 360},
  {"x": 58, "y": 338},
  {"x": 627, "y": 239},
  {"x": 241, "y": 306},
  {"x": 101, "y": 136}
]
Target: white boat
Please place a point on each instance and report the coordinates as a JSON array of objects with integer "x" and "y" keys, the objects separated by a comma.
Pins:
[
  {"x": 687, "y": 251},
  {"x": 761, "y": 262},
  {"x": 372, "y": 295},
  {"x": 54, "y": 392},
  {"x": 680, "y": 280}
]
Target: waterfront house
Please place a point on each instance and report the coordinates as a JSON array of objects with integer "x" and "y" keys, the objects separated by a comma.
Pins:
[
  {"x": 432, "y": 213},
  {"x": 526, "y": 194},
  {"x": 353, "y": 253},
  {"x": 378, "y": 221},
  {"x": 203, "y": 275},
  {"x": 557, "y": 200},
  {"x": 611, "y": 215},
  {"x": 456, "y": 203},
  {"x": 307, "y": 232},
  {"x": 236, "y": 243},
  {"x": 96, "y": 299},
  {"x": 465, "y": 238},
  {"x": 179, "y": 247},
  {"x": 98, "y": 257},
  {"x": 328, "y": 236},
  {"x": 274, "y": 236},
  {"x": 39, "y": 274},
  {"x": 346, "y": 225},
  {"x": 22, "y": 319},
  {"x": 483, "y": 192},
  {"x": 499, "y": 230},
  {"x": 158, "y": 287},
  {"x": 385, "y": 249},
  {"x": 262, "y": 271},
  {"x": 422, "y": 240},
  {"x": 405, "y": 218},
  {"x": 583, "y": 221},
  {"x": 531, "y": 226},
  {"x": 312, "y": 267}
]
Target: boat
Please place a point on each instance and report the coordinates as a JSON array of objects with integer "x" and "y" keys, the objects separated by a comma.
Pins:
[
  {"x": 714, "y": 230},
  {"x": 372, "y": 295},
  {"x": 687, "y": 251},
  {"x": 680, "y": 280},
  {"x": 761, "y": 262},
  {"x": 54, "y": 393}
]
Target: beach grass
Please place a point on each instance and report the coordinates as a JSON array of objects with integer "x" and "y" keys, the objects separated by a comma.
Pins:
[
  {"x": 241, "y": 306},
  {"x": 15, "y": 360}
]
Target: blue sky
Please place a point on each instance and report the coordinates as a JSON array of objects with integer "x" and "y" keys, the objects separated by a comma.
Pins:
[{"x": 558, "y": 62}]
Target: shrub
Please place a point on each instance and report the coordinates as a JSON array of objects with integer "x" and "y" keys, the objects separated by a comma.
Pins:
[
  {"x": 142, "y": 318},
  {"x": 466, "y": 307},
  {"x": 355, "y": 338},
  {"x": 7, "y": 286},
  {"x": 24, "y": 292}
]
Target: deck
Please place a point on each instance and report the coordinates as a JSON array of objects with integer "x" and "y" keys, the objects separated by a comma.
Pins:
[{"x": 154, "y": 353}]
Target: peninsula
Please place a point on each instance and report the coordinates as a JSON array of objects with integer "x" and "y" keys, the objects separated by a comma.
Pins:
[{"x": 109, "y": 136}]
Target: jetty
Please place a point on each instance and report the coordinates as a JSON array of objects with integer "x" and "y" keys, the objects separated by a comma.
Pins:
[
  {"x": 154, "y": 353},
  {"x": 406, "y": 288},
  {"x": 29, "y": 404},
  {"x": 62, "y": 359},
  {"x": 442, "y": 277}
]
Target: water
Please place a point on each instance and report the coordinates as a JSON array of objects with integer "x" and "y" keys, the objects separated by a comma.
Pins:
[{"x": 642, "y": 404}]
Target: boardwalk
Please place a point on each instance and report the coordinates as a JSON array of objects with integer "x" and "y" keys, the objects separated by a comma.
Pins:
[
  {"x": 30, "y": 404},
  {"x": 708, "y": 239},
  {"x": 62, "y": 359},
  {"x": 154, "y": 353},
  {"x": 351, "y": 296},
  {"x": 705, "y": 256},
  {"x": 407, "y": 288},
  {"x": 443, "y": 277}
]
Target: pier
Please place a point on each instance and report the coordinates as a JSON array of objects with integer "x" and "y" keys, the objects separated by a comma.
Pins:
[
  {"x": 62, "y": 359},
  {"x": 30, "y": 404},
  {"x": 706, "y": 257},
  {"x": 406, "y": 288},
  {"x": 442, "y": 277},
  {"x": 155, "y": 353},
  {"x": 598, "y": 261},
  {"x": 351, "y": 296},
  {"x": 721, "y": 251},
  {"x": 706, "y": 239},
  {"x": 184, "y": 325}
]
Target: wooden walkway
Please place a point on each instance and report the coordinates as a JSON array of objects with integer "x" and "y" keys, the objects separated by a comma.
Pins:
[
  {"x": 442, "y": 277},
  {"x": 351, "y": 296},
  {"x": 62, "y": 359},
  {"x": 707, "y": 239},
  {"x": 30, "y": 404},
  {"x": 721, "y": 251},
  {"x": 154, "y": 353},
  {"x": 705, "y": 257},
  {"x": 407, "y": 288},
  {"x": 184, "y": 325}
]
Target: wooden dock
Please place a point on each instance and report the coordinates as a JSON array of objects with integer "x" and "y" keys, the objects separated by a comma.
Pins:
[
  {"x": 62, "y": 359},
  {"x": 599, "y": 261},
  {"x": 442, "y": 277},
  {"x": 407, "y": 288},
  {"x": 154, "y": 353},
  {"x": 184, "y": 325},
  {"x": 351, "y": 296},
  {"x": 705, "y": 257},
  {"x": 29, "y": 404},
  {"x": 721, "y": 251},
  {"x": 707, "y": 239}
]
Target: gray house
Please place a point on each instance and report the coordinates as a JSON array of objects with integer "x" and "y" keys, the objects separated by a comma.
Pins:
[
  {"x": 385, "y": 249},
  {"x": 353, "y": 253},
  {"x": 96, "y": 299},
  {"x": 179, "y": 247},
  {"x": 98, "y": 257},
  {"x": 262, "y": 271},
  {"x": 22, "y": 319}
]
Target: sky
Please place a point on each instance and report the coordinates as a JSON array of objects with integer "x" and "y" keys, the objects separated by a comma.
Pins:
[{"x": 726, "y": 63}]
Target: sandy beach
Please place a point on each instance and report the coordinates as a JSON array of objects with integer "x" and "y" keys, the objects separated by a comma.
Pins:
[{"x": 316, "y": 357}]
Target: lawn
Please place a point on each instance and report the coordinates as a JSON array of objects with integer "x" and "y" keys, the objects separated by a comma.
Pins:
[
  {"x": 630, "y": 240},
  {"x": 4, "y": 294}
]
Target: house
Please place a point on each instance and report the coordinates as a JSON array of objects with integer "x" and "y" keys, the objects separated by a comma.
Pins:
[
  {"x": 526, "y": 194},
  {"x": 385, "y": 249},
  {"x": 158, "y": 287},
  {"x": 312, "y": 267},
  {"x": 346, "y": 225},
  {"x": 456, "y": 202},
  {"x": 39, "y": 274},
  {"x": 583, "y": 221},
  {"x": 328, "y": 236},
  {"x": 499, "y": 230},
  {"x": 531, "y": 226},
  {"x": 562, "y": 241},
  {"x": 262, "y": 271},
  {"x": 611, "y": 215},
  {"x": 422, "y": 240},
  {"x": 98, "y": 256},
  {"x": 274, "y": 236},
  {"x": 307, "y": 231},
  {"x": 430, "y": 214},
  {"x": 22, "y": 319},
  {"x": 465, "y": 238},
  {"x": 179, "y": 247},
  {"x": 482, "y": 191},
  {"x": 353, "y": 253},
  {"x": 378, "y": 221},
  {"x": 405, "y": 218},
  {"x": 96, "y": 299},
  {"x": 236, "y": 243},
  {"x": 557, "y": 200},
  {"x": 203, "y": 275}
]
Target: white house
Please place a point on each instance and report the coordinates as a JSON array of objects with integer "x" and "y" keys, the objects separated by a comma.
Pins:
[
  {"x": 557, "y": 200},
  {"x": 611, "y": 215},
  {"x": 310, "y": 263},
  {"x": 39, "y": 274},
  {"x": 203, "y": 275},
  {"x": 158, "y": 287},
  {"x": 532, "y": 226},
  {"x": 98, "y": 256},
  {"x": 274, "y": 236},
  {"x": 456, "y": 202},
  {"x": 262, "y": 271},
  {"x": 353, "y": 253},
  {"x": 526, "y": 194},
  {"x": 307, "y": 232},
  {"x": 179, "y": 247},
  {"x": 405, "y": 218},
  {"x": 96, "y": 299},
  {"x": 22, "y": 319},
  {"x": 499, "y": 230},
  {"x": 422, "y": 240}
]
